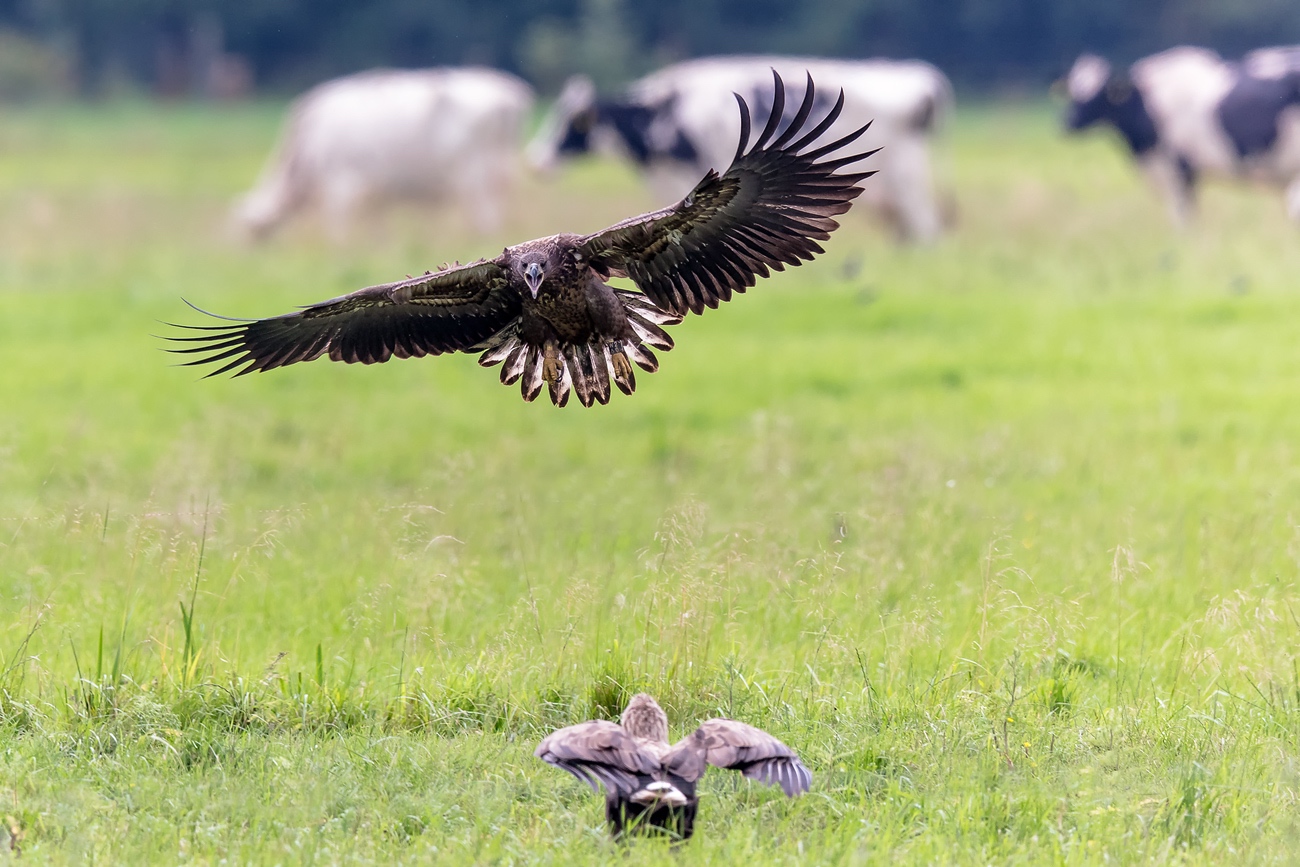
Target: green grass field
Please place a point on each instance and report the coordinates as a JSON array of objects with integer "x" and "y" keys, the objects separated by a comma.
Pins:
[{"x": 1001, "y": 536}]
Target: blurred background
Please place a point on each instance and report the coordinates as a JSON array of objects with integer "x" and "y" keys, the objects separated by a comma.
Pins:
[{"x": 175, "y": 48}]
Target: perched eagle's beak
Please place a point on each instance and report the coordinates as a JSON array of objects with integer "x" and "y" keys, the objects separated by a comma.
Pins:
[
  {"x": 533, "y": 275},
  {"x": 659, "y": 793}
]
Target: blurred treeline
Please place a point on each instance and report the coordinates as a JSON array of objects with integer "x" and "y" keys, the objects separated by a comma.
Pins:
[{"x": 214, "y": 48}]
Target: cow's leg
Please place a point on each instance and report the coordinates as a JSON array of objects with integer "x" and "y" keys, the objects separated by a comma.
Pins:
[
  {"x": 910, "y": 199},
  {"x": 342, "y": 196},
  {"x": 1293, "y": 199},
  {"x": 1175, "y": 182}
]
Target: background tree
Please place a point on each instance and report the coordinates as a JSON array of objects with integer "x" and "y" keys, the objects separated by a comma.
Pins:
[{"x": 162, "y": 45}]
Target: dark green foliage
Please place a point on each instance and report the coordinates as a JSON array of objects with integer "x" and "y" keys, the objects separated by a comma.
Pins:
[{"x": 291, "y": 43}]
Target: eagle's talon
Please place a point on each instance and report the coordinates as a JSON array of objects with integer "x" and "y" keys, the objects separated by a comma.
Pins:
[
  {"x": 551, "y": 364},
  {"x": 624, "y": 377},
  {"x": 622, "y": 366}
]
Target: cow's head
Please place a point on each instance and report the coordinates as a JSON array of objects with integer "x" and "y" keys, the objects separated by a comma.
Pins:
[
  {"x": 632, "y": 124},
  {"x": 580, "y": 123},
  {"x": 1094, "y": 90},
  {"x": 566, "y": 130},
  {"x": 1098, "y": 94}
]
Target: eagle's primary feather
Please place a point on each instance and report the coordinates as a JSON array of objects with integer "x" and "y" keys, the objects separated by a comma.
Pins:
[{"x": 542, "y": 309}]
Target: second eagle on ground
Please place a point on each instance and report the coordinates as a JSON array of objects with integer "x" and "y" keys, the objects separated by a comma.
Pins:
[{"x": 650, "y": 785}]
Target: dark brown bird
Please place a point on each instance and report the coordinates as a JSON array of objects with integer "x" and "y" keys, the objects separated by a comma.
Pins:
[
  {"x": 650, "y": 785},
  {"x": 542, "y": 309}
]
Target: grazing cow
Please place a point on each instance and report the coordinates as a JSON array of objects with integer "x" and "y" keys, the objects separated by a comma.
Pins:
[
  {"x": 388, "y": 135},
  {"x": 1186, "y": 112},
  {"x": 1273, "y": 62},
  {"x": 679, "y": 122}
]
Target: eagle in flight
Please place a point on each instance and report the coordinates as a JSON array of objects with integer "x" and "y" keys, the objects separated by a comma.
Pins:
[
  {"x": 649, "y": 784},
  {"x": 542, "y": 309}
]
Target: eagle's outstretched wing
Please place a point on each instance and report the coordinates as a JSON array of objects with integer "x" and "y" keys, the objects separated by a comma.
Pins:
[
  {"x": 726, "y": 743},
  {"x": 768, "y": 210},
  {"x": 599, "y": 752},
  {"x": 453, "y": 309}
]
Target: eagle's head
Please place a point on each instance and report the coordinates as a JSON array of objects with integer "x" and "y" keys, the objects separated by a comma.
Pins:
[
  {"x": 645, "y": 719},
  {"x": 533, "y": 268}
]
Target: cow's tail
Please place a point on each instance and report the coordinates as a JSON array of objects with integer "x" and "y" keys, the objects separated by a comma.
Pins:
[{"x": 278, "y": 192}]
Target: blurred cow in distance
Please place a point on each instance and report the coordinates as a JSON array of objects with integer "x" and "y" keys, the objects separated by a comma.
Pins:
[
  {"x": 1272, "y": 62},
  {"x": 383, "y": 136},
  {"x": 1186, "y": 112},
  {"x": 677, "y": 123}
]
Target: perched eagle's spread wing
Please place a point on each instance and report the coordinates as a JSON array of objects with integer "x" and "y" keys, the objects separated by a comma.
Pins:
[
  {"x": 725, "y": 743},
  {"x": 768, "y": 210},
  {"x": 599, "y": 751},
  {"x": 450, "y": 310}
]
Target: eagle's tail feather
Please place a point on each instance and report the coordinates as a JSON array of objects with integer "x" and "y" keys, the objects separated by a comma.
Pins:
[
  {"x": 585, "y": 375},
  {"x": 513, "y": 366},
  {"x": 530, "y": 385},
  {"x": 589, "y": 370},
  {"x": 495, "y": 349},
  {"x": 642, "y": 307},
  {"x": 644, "y": 358},
  {"x": 647, "y": 320},
  {"x": 651, "y": 334},
  {"x": 600, "y": 373},
  {"x": 573, "y": 362}
]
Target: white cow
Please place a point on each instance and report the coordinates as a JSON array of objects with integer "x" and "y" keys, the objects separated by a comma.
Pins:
[
  {"x": 386, "y": 135},
  {"x": 682, "y": 120},
  {"x": 1186, "y": 112}
]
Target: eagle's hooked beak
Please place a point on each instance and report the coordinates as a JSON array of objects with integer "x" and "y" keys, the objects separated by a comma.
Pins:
[
  {"x": 659, "y": 793},
  {"x": 533, "y": 275}
]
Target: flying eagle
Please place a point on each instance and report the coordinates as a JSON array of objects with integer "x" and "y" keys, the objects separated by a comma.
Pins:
[
  {"x": 542, "y": 309},
  {"x": 650, "y": 784}
]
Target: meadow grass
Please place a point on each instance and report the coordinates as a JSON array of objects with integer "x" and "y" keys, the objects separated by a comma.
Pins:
[{"x": 1001, "y": 535}]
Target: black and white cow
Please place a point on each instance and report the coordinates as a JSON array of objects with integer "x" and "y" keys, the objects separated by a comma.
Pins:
[
  {"x": 682, "y": 120},
  {"x": 1186, "y": 112}
]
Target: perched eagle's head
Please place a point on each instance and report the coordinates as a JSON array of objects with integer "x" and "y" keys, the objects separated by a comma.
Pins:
[{"x": 645, "y": 719}]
